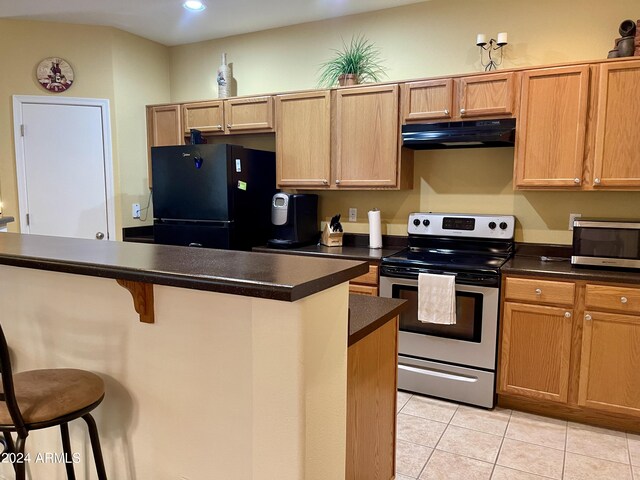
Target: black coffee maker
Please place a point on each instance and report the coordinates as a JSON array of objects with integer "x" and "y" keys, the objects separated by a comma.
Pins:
[{"x": 294, "y": 219}]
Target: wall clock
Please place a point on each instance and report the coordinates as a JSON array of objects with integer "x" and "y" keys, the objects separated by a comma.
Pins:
[{"x": 54, "y": 74}]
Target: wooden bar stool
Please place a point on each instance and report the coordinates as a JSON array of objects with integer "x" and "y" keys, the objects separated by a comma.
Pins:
[{"x": 45, "y": 398}]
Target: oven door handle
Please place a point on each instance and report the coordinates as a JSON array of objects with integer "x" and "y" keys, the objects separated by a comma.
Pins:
[
  {"x": 386, "y": 272},
  {"x": 438, "y": 373}
]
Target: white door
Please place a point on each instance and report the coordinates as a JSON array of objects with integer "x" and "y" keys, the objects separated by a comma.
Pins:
[{"x": 64, "y": 167}]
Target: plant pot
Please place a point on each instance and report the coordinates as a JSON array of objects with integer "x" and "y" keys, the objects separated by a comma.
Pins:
[{"x": 347, "y": 79}]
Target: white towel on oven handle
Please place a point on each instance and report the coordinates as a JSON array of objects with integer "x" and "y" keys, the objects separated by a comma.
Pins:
[{"x": 437, "y": 298}]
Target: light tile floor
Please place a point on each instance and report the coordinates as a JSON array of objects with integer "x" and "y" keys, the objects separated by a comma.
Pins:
[{"x": 440, "y": 440}]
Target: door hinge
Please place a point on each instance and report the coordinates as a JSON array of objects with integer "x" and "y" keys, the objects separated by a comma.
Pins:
[
  {"x": 28, "y": 219},
  {"x": 22, "y": 130}
]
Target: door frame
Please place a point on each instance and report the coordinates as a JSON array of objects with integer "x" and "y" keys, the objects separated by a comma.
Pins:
[{"x": 103, "y": 104}]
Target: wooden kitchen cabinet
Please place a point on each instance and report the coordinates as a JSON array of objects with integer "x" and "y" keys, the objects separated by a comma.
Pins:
[
  {"x": 610, "y": 365},
  {"x": 237, "y": 115},
  {"x": 487, "y": 95},
  {"x": 550, "y": 138},
  {"x": 208, "y": 117},
  {"x": 164, "y": 127},
  {"x": 372, "y": 366},
  {"x": 579, "y": 361},
  {"x": 490, "y": 95},
  {"x": 366, "y": 284},
  {"x": 536, "y": 349},
  {"x": 429, "y": 100},
  {"x": 617, "y": 117},
  {"x": 252, "y": 114},
  {"x": 366, "y": 137},
  {"x": 303, "y": 139}
]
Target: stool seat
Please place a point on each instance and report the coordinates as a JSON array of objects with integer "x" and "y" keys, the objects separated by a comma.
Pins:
[{"x": 44, "y": 395}]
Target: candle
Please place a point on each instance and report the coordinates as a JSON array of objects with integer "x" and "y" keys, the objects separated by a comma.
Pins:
[
  {"x": 502, "y": 38},
  {"x": 482, "y": 39}
]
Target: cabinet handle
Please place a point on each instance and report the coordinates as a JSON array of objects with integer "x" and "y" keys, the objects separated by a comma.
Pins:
[
  {"x": 576, "y": 180},
  {"x": 462, "y": 111},
  {"x": 567, "y": 314},
  {"x": 587, "y": 317},
  {"x": 337, "y": 182},
  {"x": 538, "y": 291},
  {"x": 446, "y": 111},
  {"x": 623, "y": 299},
  {"x": 597, "y": 181}
]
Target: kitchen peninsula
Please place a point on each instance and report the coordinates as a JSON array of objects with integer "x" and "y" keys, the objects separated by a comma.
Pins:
[{"x": 238, "y": 368}]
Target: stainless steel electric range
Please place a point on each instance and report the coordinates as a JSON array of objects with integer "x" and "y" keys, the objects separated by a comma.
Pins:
[{"x": 456, "y": 362}]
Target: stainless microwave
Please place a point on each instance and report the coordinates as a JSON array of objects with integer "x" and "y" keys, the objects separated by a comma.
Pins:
[{"x": 606, "y": 243}]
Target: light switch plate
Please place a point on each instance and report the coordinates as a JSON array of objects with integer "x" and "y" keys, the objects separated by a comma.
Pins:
[
  {"x": 353, "y": 214},
  {"x": 135, "y": 210}
]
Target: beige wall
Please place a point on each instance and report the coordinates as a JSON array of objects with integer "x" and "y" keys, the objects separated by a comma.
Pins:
[
  {"x": 426, "y": 39},
  {"x": 127, "y": 70}
]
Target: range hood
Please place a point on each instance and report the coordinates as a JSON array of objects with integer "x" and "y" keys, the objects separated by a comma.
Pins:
[{"x": 467, "y": 134}]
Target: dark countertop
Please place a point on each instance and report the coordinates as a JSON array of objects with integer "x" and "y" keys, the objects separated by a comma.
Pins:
[
  {"x": 367, "y": 314},
  {"x": 277, "y": 277},
  {"x": 5, "y": 220},
  {"x": 344, "y": 252},
  {"x": 561, "y": 268}
]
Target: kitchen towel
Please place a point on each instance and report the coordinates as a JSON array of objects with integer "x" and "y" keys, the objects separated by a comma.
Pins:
[
  {"x": 437, "y": 298},
  {"x": 375, "y": 229}
]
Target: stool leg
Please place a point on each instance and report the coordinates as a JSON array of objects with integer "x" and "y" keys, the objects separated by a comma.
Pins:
[
  {"x": 21, "y": 466},
  {"x": 8, "y": 442},
  {"x": 66, "y": 448},
  {"x": 95, "y": 446}
]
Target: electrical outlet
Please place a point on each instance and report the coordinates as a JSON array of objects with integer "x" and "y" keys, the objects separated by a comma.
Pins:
[
  {"x": 353, "y": 214},
  {"x": 135, "y": 210},
  {"x": 572, "y": 217}
]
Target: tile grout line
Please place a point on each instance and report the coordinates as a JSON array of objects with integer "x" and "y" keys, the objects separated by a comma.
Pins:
[
  {"x": 440, "y": 438},
  {"x": 495, "y": 462},
  {"x": 626, "y": 435}
]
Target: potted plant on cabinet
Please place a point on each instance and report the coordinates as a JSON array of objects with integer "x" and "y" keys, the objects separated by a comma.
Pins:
[{"x": 357, "y": 62}]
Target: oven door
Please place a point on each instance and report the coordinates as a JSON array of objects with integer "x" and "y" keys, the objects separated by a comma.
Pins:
[{"x": 470, "y": 342}]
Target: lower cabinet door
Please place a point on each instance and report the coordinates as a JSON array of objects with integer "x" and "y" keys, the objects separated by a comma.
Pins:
[
  {"x": 536, "y": 349},
  {"x": 610, "y": 363}
]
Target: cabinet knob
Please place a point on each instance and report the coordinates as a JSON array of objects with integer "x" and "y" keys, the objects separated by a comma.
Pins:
[
  {"x": 623, "y": 299},
  {"x": 587, "y": 317},
  {"x": 538, "y": 291},
  {"x": 100, "y": 235},
  {"x": 576, "y": 181},
  {"x": 337, "y": 182},
  {"x": 597, "y": 181},
  {"x": 219, "y": 127},
  {"x": 446, "y": 111},
  {"x": 325, "y": 182},
  {"x": 228, "y": 125},
  {"x": 462, "y": 111},
  {"x": 567, "y": 314}
]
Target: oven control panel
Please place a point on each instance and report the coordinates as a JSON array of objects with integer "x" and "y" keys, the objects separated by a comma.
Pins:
[{"x": 499, "y": 227}]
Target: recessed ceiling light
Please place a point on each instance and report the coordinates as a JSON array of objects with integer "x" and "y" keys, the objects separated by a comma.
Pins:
[{"x": 194, "y": 5}]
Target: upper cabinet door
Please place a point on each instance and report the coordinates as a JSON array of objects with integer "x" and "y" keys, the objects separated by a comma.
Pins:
[
  {"x": 249, "y": 114},
  {"x": 550, "y": 136},
  {"x": 204, "y": 116},
  {"x": 430, "y": 100},
  {"x": 617, "y": 144},
  {"x": 164, "y": 126},
  {"x": 487, "y": 95},
  {"x": 366, "y": 142},
  {"x": 303, "y": 139}
]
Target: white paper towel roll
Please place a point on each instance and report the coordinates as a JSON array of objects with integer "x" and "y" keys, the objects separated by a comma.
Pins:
[{"x": 375, "y": 229}]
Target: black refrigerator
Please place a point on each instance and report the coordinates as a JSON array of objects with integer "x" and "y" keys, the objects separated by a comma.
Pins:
[{"x": 215, "y": 196}]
